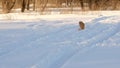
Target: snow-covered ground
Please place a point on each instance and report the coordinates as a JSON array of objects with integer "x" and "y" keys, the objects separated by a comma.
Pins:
[{"x": 54, "y": 41}]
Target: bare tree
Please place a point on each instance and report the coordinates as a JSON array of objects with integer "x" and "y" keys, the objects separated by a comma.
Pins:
[
  {"x": 23, "y": 6},
  {"x": 28, "y": 4},
  {"x": 7, "y": 5},
  {"x": 114, "y": 4},
  {"x": 43, "y": 6},
  {"x": 82, "y": 4},
  {"x": 34, "y": 3}
]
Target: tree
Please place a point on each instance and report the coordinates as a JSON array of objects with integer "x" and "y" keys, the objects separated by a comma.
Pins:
[
  {"x": 28, "y": 4},
  {"x": 34, "y": 2},
  {"x": 7, "y": 5},
  {"x": 82, "y": 4},
  {"x": 23, "y": 5}
]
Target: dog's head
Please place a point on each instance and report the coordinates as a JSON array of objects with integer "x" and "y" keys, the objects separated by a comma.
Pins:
[{"x": 81, "y": 25}]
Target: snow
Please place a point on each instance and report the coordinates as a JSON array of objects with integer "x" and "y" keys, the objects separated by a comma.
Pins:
[{"x": 30, "y": 40}]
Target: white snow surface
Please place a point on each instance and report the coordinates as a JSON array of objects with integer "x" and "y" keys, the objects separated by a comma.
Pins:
[{"x": 54, "y": 41}]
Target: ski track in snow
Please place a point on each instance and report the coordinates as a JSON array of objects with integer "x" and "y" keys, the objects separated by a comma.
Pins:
[
  {"x": 51, "y": 46},
  {"x": 69, "y": 54}
]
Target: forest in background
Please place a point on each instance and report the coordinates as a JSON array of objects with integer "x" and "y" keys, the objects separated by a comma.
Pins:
[{"x": 7, "y": 6}]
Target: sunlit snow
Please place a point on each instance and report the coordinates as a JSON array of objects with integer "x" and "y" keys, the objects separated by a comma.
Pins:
[{"x": 54, "y": 41}]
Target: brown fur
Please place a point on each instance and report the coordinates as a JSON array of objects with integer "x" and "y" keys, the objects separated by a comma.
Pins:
[{"x": 81, "y": 25}]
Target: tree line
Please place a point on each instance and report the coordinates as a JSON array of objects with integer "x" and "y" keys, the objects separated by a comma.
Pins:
[{"x": 41, "y": 5}]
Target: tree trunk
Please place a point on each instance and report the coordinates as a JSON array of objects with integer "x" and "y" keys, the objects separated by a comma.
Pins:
[
  {"x": 28, "y": 4},
  {"x": 81, "y": 3},
  {"x": 23, "y": 6},
  {"x": 90, "y": 4},
  {"x": 34, "y": 3},
  {"x": 44, "y": 5},
  {"x": 4, "y": 6}
]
